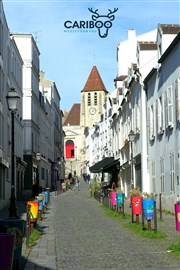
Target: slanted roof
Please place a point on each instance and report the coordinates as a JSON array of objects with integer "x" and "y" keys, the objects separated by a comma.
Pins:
[
  {"x": 120, "y": 78},
  {"x": 94, "y": 82},
  {"x": 170, "y": 28},
  {"x": 147, "y": 46},
  {"x": 73, "y": 117},
  {"x": 170, "y": 48}
]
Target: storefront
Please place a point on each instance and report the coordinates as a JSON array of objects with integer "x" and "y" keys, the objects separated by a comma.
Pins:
[{"x": 107, "y": 165}]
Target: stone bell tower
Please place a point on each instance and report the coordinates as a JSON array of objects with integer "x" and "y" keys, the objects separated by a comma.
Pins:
[{"x": 92, "y": 99}]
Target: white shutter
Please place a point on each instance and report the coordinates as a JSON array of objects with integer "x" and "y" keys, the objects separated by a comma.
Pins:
[
  {"x": 151, "y": 118},
  {"x": 170, "y": 106},
  {"x": 160, "y": 127},
  {"x": 178, "y": 99}
]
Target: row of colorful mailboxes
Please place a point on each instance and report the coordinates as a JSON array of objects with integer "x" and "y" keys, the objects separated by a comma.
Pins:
[
  {"x": 38, "y": 205},
  {"x": 139, "y": 205}
]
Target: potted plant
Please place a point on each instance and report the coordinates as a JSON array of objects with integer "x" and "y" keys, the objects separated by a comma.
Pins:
[
  {"x": 149, "y": 195},
  {"x": 136, "y": 201},
  {"x": 113, "y": 197},
  {"x": 135, "y": 192},
  {"x": 148, "y": 204},
  {"x": 94, "y": 187},
  {"x": 119, "y": 197},
  {"x": 177, "y": 215}
]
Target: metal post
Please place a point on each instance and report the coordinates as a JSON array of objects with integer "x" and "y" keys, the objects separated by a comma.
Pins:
[
  {"x": 132, "y": 216},
  {"x": 142, "y": 219},
  {"x": 155, "y": 218},
  {"x": 12, "y": 208},
  {"x": 132, "y": 169},
  {"x": 160, "y": 206},
  {"x": 27, "y": 225}
]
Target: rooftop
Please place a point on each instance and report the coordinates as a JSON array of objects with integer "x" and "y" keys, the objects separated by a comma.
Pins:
[{"x": 94, "y": 82}]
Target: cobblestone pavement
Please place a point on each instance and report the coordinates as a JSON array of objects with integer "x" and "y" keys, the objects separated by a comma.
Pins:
[{"x": 78, "y": 236}]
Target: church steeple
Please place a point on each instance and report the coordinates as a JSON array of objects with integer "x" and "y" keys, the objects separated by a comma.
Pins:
[
  {"x": 94, "y": 82},
  {"x": 93, "y": 97}
]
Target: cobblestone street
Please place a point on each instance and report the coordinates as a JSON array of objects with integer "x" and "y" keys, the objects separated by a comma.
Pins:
[{"x": 77, "y": 235}]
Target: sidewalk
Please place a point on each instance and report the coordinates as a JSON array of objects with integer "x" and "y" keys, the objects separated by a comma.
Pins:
[{"x": 43, "y": 225}]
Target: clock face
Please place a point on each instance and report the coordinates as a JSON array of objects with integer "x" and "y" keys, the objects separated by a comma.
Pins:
[{"x": 92, "y": 111}]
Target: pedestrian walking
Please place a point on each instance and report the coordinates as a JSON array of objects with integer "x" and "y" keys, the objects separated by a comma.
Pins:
[
  {"x": 78, "y": 183},
  {"x": 88, "y": 179},
  {"x": 63, "y": 186}
]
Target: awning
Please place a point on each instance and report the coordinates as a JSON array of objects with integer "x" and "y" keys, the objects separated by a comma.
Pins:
[
  {"x": 105, "y": 165},
  {"x": 114, "y": 165}
]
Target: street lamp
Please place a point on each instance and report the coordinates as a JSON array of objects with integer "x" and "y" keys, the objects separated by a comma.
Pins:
[
  {"x": 132, "y": 136},
  {"x": 12, "y": 102}
]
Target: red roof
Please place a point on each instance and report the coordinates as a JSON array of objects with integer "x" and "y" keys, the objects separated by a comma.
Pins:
[
  {"x": 73, "y": 117},
  {"x": 94, "y": 82}
]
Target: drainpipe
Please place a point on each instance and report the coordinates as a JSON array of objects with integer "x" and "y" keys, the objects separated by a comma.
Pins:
[{"x": 144, "y": 146}]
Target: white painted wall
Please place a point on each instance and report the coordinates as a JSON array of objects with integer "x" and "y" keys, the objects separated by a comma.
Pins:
[{"x": 126, "y": 50}]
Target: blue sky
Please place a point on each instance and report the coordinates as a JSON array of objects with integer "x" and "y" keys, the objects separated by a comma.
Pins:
[{"x": 68, "y": 57}]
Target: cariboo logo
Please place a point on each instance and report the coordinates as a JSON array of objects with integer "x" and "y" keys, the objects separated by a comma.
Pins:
[{"x": 102, "y": 23}]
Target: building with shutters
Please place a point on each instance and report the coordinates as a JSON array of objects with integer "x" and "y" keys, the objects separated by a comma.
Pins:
[{"x": 147, "y": 103}]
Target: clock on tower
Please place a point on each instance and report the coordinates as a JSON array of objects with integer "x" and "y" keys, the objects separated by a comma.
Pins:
[{"x": 92, "y": 111}]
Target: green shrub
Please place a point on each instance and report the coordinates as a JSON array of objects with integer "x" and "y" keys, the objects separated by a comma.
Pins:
[
  {"x": 35, "y": 235},
  {"x": 175, "y": 248},
  {"x": 137, "y": 228}
]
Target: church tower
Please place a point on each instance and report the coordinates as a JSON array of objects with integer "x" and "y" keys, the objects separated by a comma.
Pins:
[{"x": 92, "y": 99}]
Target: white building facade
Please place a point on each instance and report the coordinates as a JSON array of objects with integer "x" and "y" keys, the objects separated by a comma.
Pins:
[
  {"x": 146, "y": 102},
  {"x": 38, "y": 133},
  {"x": 162, "y": 86},
  {"x": 10, "y": 77}
]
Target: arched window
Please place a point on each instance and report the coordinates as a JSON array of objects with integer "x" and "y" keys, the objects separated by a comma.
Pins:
[
  {"x": 95, "y": 98},
  {"x": 69, "y": 149},
  {"x": 89, "y": 99}
]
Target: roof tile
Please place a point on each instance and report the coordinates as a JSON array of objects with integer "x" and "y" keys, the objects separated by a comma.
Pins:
[
  {"x": 73, "y": 117},
  {"x": 94, "y": 82},
  {"x": 170, "y": 28}
]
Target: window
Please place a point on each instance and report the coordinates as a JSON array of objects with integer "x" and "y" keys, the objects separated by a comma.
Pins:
[
  {"x": 89, "y": 99},
  {"x": 69, "y": 149},
  {"x": 160, "y": 124},
  {"x": 172, "y": 172},
  {"x": 153, "y": 176},
  {"x": 95, "y": 98},
  {"x": 151, "y": 123},
  {"x": 162, "y": 173},
  {"x": 1, "y": 83},
  {"x": 169, "y": 107},
  {"x": 2, "y": 182},
  {"x": 1, "y": 37},
  {"x": 160, "y": 49},
  {"x": 42, "y": 174},
  {"x": 137, "y": 118},
  {"x": 178, "y": 99}
]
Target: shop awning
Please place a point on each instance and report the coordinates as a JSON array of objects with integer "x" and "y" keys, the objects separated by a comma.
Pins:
[
  {"x": 112, "y": 166},
  {"x": 105, "y": 165}
]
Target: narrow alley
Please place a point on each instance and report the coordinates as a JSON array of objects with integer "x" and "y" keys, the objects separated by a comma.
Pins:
[{"x": 77, "y": 235}]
